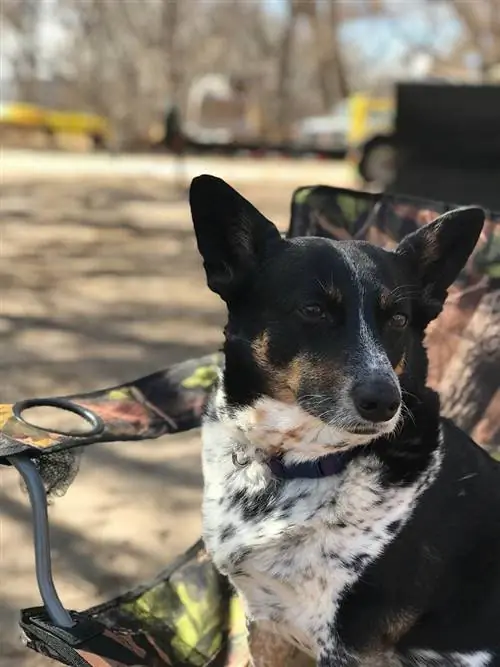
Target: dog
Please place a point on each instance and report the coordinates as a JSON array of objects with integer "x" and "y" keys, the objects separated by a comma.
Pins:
[{"x": 352, "y": 519}]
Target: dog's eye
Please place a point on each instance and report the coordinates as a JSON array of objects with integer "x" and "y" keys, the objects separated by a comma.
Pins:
[
  {"x": 312, "y": 312},
  {"x": 398, "y": 321}
]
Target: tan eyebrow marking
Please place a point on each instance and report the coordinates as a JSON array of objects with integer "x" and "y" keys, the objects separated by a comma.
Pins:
[
  {"x": 331, "y": 291},
  {"x": 385, "y": 297}
]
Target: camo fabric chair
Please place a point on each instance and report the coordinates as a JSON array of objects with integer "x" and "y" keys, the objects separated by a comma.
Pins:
[{"x": 189, "y": 616}]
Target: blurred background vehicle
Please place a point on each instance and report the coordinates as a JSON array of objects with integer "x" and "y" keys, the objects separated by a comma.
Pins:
[
  {"x": 92, "y": 126},
  {"x": 28, "y": 123},
  {"x": 328, "y": 131},
  {"x": 371, "y": 124}
]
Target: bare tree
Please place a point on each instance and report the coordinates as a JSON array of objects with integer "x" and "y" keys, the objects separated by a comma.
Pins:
[
  {"x": 284, "y": 70},
  {"x": 122, "y": 59},
  {"x": 168, "y": 43},
  {"x": 332, "y": 74},
  {"x": 481, "y": 19},
  {"x": 23, "y": 19}
]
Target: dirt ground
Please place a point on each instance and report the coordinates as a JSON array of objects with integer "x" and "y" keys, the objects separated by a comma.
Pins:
[{"x": 101, "y": 283}]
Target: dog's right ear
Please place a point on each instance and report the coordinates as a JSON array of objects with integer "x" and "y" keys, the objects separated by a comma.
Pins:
[{"x": 231, "y": 234}]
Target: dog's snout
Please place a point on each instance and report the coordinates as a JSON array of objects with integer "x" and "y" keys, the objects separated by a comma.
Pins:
[{"x": 376, "y": 399}]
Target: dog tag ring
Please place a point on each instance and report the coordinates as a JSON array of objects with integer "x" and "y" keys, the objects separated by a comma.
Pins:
[{"x": 242, "y": 462}]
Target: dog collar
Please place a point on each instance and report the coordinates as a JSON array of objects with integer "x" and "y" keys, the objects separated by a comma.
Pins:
[{"x": 326, "y": 466}]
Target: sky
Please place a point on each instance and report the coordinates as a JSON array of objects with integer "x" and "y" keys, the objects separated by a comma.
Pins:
[
  {"x": 383, "y": 40},
  {"x": 387, "y": 36}
]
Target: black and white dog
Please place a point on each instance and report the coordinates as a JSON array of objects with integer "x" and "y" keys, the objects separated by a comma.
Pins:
[{"x": 353, "y": 520}]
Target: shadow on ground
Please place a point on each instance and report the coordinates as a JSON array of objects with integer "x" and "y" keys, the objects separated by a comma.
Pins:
[{"x": 101, "y": 284}]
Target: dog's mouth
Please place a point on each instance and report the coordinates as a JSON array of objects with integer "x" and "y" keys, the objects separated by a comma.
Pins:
[{"x": 364, "y": 430}]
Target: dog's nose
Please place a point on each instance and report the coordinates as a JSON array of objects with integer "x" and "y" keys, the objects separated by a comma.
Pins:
[{"x": 376, "y": 400}]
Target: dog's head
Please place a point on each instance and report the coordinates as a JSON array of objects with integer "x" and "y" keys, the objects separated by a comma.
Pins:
[{"x": 333, "y": 330}]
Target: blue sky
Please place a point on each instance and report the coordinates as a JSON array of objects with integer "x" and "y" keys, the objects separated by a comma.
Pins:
[{"x": 418, "y": 22}]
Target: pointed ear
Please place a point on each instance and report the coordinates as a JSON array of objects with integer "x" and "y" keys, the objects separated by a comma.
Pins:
[
  {"x": 438, "y": 251},
  {"x": 232, "y": 235}
]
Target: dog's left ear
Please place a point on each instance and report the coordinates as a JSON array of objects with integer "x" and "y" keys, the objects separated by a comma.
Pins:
[
  {"x": 232, "y": 234},
  {"x": 439, "y": 250}
]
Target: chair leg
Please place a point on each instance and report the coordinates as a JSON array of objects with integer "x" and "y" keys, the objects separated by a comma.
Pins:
[{"x": 38, "y": 500}]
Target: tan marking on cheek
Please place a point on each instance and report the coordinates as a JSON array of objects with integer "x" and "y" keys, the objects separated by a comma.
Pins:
[
  {"x": 280, "y": 380},
  {"x": 324, "y": 378},
  {"x": 400, "y": 368},
  {"x": 294, "y": 374},
  {"x": 284, "y": 382},
  {"x": 335, "y": 294}
]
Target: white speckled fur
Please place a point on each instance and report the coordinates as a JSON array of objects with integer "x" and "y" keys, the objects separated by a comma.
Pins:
[
  {"x": 433, "y": 659},
  {"x": 293, "y": 568}
]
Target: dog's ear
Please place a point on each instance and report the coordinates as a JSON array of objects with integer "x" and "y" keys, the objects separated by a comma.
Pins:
[
  {"x": 439, "y": 250},
  {"x": 232, "y": 235}
]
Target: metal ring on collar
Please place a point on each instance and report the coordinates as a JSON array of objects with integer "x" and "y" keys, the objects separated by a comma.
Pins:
[{"x": 240, "y": 463}]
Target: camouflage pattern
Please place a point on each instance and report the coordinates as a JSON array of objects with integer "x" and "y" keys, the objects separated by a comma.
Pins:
[
  {"x": 166, "y": 402},
  {"x": 383, "y": 220},
  {"x": 190, "y": 613},
  {"x": 188, "y": 616}
]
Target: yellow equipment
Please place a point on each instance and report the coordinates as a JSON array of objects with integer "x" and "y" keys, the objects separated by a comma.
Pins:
[{"x": 21, "y": 116}]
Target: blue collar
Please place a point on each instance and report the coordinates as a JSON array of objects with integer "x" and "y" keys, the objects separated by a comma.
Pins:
[{"x": 326, "y": 466}]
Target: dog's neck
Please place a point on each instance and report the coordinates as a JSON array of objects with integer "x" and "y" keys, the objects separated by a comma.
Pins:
[
  {"x": 294, "y": 444},
  {"x": 325, "y": 466}
]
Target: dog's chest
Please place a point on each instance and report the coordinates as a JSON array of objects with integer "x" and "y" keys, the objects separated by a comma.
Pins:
[{"x": 294, "y": 548}]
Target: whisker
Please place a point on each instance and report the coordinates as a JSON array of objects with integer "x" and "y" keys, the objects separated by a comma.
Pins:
[
  {"x": 401, "y": 288},
  {"x": 408, "y": 412},
  {"x": 408, "y": 393}
]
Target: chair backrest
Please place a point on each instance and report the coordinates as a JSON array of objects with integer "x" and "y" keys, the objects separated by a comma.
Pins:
[{"x": 448, "y": 139}]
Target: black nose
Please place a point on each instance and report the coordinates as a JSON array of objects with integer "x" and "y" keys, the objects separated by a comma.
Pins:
[{"x": 376, "y": 400}]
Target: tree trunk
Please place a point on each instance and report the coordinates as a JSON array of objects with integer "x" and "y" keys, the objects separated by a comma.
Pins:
[
  {"x": 473, "y": 375},
  {"x": 331, "y": 67},
  {"x": 26, "y": 62},
  {"x": 170, "y": 26},
  {"x": 284, "y": 70},
  {"x": 481, "y": 18}
]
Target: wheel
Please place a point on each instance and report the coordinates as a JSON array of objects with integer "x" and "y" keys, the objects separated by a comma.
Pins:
[{"x": 378, "y": 161}]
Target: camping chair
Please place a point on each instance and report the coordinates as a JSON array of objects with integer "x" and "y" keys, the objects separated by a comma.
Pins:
[{"x": 189, "y": 616}]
